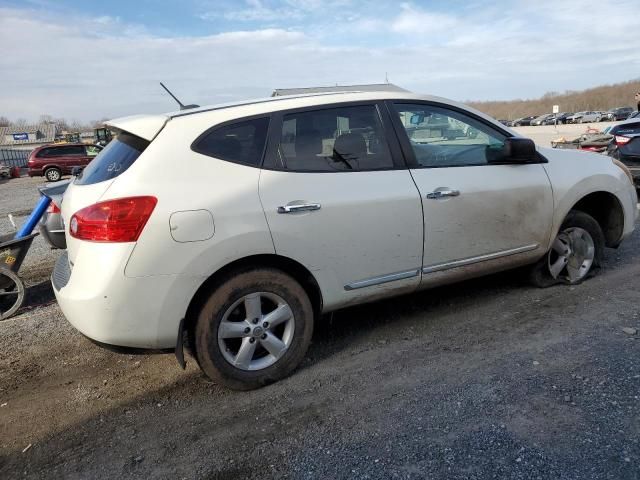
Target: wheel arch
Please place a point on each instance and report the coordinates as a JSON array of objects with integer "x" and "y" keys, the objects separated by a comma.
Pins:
[
  {"x": 50, "y": 166},
  {"x": 607, "y": 210},
  {"x": 291, "y": 267}
]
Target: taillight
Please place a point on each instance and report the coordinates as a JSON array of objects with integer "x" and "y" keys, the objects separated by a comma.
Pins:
[
  {"x": 620, "y": 140},
  {"x": 118, "y": 220},
  {"x": 53, "y": 208}
]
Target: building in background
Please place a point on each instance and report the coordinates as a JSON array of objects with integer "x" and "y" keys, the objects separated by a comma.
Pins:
[{"x": 27, "y": 137}]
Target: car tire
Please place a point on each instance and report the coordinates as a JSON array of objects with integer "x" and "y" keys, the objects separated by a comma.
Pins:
[
  {"x": 575, "y": 254},
  {"x": 227, "y": 333},
  {"x": 52, "y": 174}
]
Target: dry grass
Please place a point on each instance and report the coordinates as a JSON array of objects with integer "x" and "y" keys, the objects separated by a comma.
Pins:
[{"x": 599, "y": 98}]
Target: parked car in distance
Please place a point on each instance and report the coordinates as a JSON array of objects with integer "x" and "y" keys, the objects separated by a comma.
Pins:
[
  {"x": 625, "y": 146},
  {"x": 55, "y": 160},
  {"x": 616, "y": 114},
  {"x": 561, "y": 119},
  {"x": 589, "y": 117},
  {"x": 524, "y": 121},
  {"x": 289, "y": 207},
  {"x": 51, "y": 226},
  {"x": 575, "y": 118},
  {"x": 541, "y": 119}
]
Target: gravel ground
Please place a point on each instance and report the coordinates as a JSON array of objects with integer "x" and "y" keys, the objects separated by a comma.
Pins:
[{"x": 485, "y": 379}]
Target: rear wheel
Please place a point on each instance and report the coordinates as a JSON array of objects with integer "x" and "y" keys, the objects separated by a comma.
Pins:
[
  {"x": 52, "y": 174},
  {"x": 12, "y": 293},
  {"x": 575, "y": 253},
  {"x": 254, "y": 329}
]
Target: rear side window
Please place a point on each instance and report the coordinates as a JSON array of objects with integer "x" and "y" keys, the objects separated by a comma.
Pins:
[
  {"x": 335, "y": 139},
  {"x": 68, "y": 151},
  {"x": 64, "y": 151},
  {"x": 45, "y": 152},
  {"x": 114, "y": 159},
  {"x": 238, "y": 142}
]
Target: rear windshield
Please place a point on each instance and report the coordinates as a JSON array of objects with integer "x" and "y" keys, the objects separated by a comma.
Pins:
[
  {"x": 626, "y": 129},
  {"x": 116, "y": 157}
]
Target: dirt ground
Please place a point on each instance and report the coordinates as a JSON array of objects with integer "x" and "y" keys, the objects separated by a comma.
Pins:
[{"x": 486, "y": 379}]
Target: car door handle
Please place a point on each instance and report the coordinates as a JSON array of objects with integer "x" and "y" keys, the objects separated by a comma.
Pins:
[
  {"x": 300, "y": 207},
  {"x": 443, "y": 193}
]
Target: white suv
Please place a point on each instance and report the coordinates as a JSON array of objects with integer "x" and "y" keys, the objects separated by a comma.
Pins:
[{"x": 230, "y": 228}]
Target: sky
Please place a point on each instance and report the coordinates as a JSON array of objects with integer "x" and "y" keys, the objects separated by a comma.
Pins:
[{"x": 88, "y": 60}]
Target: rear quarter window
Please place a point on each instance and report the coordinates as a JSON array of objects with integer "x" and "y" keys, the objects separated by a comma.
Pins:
[
  {"x": 113, "y": 160},
  {"x": 238, "y": 142}
]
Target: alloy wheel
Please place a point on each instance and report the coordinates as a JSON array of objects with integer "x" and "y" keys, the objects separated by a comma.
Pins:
[
  {"x": 256, "y": 331},
  {"x": 571, "y": 255}
]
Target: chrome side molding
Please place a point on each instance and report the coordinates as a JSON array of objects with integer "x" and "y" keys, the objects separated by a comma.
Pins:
[
  {"x": 480, "y": 258},
  {"x": 392, "y": 277}
]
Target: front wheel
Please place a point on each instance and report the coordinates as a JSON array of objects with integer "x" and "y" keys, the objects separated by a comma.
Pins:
[
  {"x": 254, "y": 329},
  {"x": 575, "y": 253}
]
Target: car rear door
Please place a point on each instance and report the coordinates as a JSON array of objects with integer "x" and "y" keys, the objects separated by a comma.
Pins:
[
  {"x": 478, "y": 217},
  {"x": 69, "y": 156},
  {"x": 339, "y": 200}
]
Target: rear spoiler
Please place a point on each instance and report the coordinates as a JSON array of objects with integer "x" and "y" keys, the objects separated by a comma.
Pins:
[{"x": 143, "y": 126}]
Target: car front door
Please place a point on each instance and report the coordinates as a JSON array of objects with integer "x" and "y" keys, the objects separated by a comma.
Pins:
[
  {"x": 339, "y": 200},
  {"x": 478, "y": 217}
]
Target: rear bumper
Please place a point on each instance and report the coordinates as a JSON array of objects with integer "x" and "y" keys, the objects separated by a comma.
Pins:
[
  {"x": 110, "y": 308},
  {"x": 34, "y": 172}
]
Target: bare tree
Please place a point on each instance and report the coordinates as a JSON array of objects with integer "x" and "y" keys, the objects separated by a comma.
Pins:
[
  {"x": 44, "y": 118},
  {"x": 61, "y": 123},
  {"x": 4, "y": 122},
  {"x": 99, "y": 123},
  {"x": 599, "y": 98}
]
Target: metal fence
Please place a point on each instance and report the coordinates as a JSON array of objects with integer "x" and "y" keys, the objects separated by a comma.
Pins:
[{"x": 14, "y": 158}]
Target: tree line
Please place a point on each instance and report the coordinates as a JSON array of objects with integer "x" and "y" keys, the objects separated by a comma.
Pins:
[
  {"x": 62, "y": 123},
  {"x": 598, "y": 98}
]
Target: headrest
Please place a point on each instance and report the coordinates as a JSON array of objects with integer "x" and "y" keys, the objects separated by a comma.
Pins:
[{"x": 351, "y": 145}]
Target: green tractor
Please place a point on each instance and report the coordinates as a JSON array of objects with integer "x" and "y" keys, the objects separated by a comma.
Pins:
[{"x": 102, "y": 135}]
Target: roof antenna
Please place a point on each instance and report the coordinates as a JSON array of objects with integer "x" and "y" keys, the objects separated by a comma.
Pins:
[{"x": 182, "y": 107}]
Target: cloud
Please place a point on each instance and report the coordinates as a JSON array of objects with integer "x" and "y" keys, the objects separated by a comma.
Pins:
[
  {"x": 419, "y": 22},
  {"x": 86, "y": 68}
]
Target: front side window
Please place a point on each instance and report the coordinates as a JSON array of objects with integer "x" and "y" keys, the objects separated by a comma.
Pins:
[
  {"x": 239, "y": 142},
  {"x": 92, "y": 150},
  {"x": 441, "y": 137},
  {"x": 334, "y": 139}
]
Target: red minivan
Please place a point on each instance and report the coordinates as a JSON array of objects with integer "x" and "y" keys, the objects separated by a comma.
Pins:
[{"x": 53, "y": 160}]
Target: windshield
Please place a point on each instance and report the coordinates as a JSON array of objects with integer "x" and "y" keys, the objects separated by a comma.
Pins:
[{"x": 116, "y": 158}]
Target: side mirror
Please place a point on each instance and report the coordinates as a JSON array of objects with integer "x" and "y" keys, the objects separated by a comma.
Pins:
[{"x": 515, "y": 150}]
